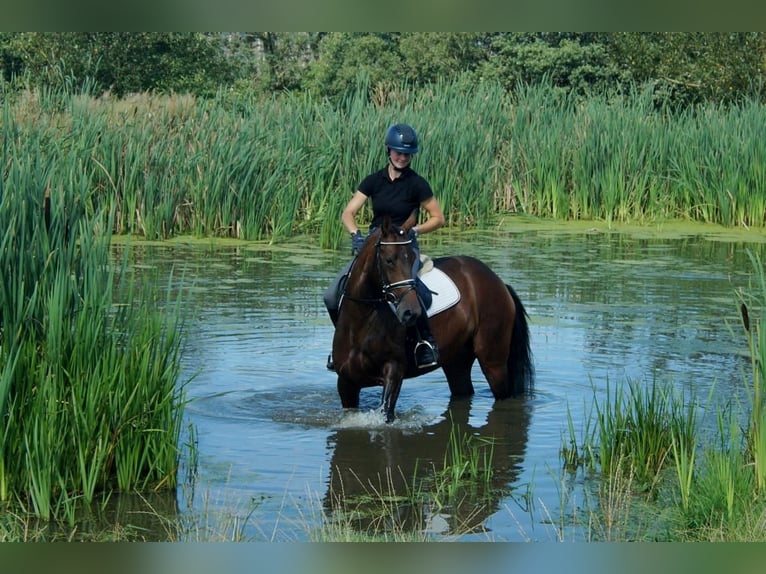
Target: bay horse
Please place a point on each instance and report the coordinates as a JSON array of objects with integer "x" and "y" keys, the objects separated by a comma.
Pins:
[{"x": 372, "y": 345}]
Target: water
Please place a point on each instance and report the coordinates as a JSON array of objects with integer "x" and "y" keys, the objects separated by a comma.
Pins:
[{"x": 276, "y": 449}]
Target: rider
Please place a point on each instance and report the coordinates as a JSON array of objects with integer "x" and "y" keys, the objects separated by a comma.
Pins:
[{"x": 397, "y": 191}]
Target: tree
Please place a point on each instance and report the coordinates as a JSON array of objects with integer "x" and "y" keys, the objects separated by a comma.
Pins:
[
  {"x": 578, "y": 62},
  {"x": 693, "y": 67},
  {"x": 343, "y": 56},
  {"x": 432, "y": 56},
  {"x": 286, "y": 58},
  {"x": 684, "y": 68},
  {"x": 125, "y": 62},
  {"x": 11, "y": 63}
]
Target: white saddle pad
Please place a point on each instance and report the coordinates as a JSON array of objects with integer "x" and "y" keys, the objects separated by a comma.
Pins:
[{"x": 444, "y": 291}]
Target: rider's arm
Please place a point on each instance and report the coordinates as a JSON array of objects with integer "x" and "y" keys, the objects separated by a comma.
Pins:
[
  {"x": 435, "y": 216},
  {"x": 352, "y": 208}
]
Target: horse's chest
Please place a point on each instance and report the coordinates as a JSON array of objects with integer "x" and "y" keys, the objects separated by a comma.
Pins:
[{"x": 374, "y": 363}]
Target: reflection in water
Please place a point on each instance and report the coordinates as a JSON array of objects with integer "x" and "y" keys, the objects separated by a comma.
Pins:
[
  {"x": 148, "y": 516},
  {"x": 381, "y": 473}
]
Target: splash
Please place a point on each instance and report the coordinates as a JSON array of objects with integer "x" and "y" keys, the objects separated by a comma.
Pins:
[{"x": 412, "y": 419}]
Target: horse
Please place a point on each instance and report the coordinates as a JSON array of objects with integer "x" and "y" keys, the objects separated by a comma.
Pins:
[{"x": 373, "y": 343}]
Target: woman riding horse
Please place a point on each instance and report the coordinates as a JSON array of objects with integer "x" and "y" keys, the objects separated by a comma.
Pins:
[
  {"x": 372, "y": 344},
  {"x": 399, "y": 192}
]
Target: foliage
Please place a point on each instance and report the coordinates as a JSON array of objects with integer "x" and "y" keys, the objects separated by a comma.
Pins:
[
  {"x": 693, "y": 67},
  {"x": 119, "y": 62},
  {"x": 684, "y": 68},
  {"x": 347, "y": 55},
  {"x": 89, "y": 401},
  {"x": 578, "y": 63}
]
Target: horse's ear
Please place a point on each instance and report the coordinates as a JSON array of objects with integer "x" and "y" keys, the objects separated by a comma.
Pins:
[
  {"x": 411, "y": 221},
  {"x": 386, "y": 226}
]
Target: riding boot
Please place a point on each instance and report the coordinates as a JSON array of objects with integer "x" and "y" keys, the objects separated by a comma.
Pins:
[
  {"x": 334, "y": 318},
  {"x": 426, "y": 352}
]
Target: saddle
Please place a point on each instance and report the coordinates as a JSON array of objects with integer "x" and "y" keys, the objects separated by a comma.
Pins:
[{"x": 444, "y": 292}]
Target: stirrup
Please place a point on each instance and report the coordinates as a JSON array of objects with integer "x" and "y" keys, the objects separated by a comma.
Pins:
[
  {"x": 432, "y": 356},
  {"x": 330, "y": 363}
]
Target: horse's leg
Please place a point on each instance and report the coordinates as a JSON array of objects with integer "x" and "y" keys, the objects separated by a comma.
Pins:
[
  {"x": 491, "y": 348},
  {"x": 349, "y": 393},
  {"x": 392, "y": 384},
  {"x": 496, "y": 373},
  {"x": 458, "y": 372}
]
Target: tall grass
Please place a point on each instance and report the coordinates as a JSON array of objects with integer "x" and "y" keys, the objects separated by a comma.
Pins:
[
  {"x": 756, "y": 336},
  {"x": 287, "y": 164},
  {"x": 466, "y": 471},
  {"x": 89, "y": 400},
  {"x": 638, "y": 425}
]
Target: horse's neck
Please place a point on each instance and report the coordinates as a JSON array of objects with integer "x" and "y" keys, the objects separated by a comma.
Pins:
[
  {"x": 362, "y": 284},
  {"x": 368, "y": 309},
  {"x": 364, "y": 287}
]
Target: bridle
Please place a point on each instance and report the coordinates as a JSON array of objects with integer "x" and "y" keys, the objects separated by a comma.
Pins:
[
  {"x": 390, "y": 293},
  {"x": 389, "y": 290}
]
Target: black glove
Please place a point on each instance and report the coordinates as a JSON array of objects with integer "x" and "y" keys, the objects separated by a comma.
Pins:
[{"x": 357, "y": 242}]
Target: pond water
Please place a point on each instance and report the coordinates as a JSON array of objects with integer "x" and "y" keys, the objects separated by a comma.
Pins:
[{"x": 276, "y": 450}]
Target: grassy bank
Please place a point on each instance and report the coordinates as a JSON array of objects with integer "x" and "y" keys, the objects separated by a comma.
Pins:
[{"x": 270, "y": 168}]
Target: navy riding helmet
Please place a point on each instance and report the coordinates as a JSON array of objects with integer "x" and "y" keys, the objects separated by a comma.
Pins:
[{"x": 402, "y": 138}]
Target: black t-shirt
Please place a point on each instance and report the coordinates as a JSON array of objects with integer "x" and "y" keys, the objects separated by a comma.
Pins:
[{"x": 397, "y": 198}]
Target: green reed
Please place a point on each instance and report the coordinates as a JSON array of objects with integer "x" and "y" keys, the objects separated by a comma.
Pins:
[
  {"x": 275, "y": 166},
  {"x": 714, "y": 488},
  {"x": 89, "y": 394},
  {"x": 753, "y": 310},
  {"x": 466, "y": 470},
  {"x": 638, "y": 425}
]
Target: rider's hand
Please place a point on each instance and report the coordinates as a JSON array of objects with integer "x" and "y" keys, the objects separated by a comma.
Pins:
[{"x": 357, "y": 242}]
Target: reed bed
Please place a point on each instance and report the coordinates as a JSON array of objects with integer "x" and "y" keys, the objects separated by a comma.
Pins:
[
  {"x": 89, "y": 395},
  {"x": 272, "y": 167}
]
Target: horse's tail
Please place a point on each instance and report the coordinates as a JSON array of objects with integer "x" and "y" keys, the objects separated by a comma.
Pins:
[{"x": 521, "y": 369}]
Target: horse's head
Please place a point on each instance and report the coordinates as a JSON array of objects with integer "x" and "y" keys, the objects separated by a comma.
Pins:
[{"x": 395, "y": 270}]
